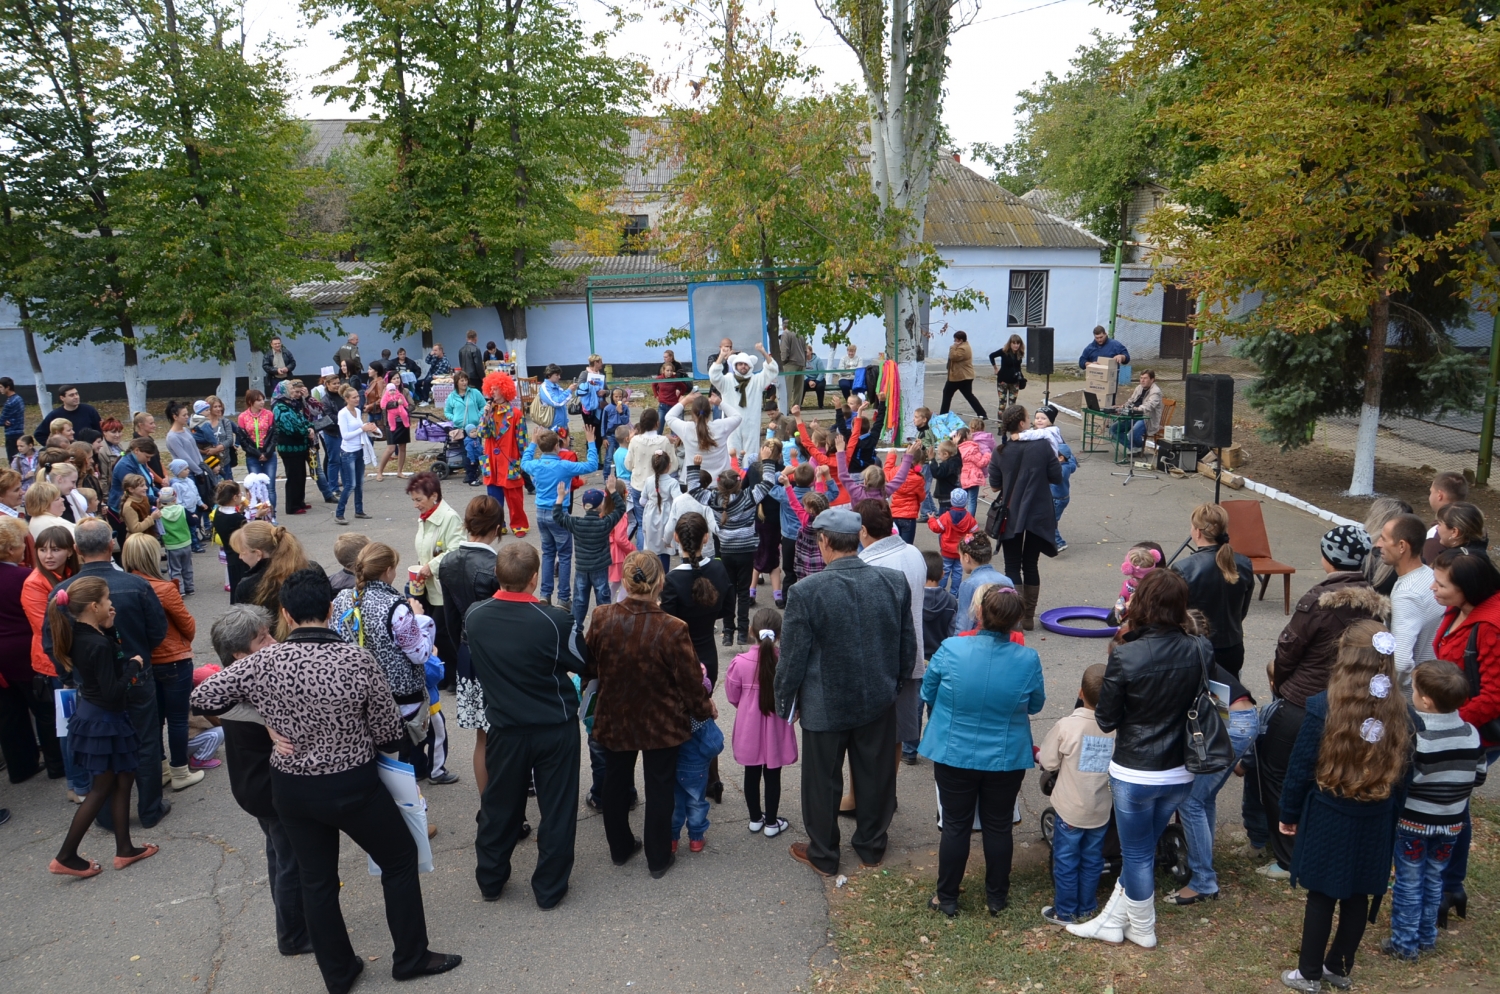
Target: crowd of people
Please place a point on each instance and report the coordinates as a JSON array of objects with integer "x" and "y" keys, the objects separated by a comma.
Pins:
[{"x": 868, "y": 653}]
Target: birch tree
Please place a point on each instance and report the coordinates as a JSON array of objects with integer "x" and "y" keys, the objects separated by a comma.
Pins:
[{"x": 902, "y": 50}]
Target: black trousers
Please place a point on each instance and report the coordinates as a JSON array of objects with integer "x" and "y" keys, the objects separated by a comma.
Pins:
[
  {"x": 13, "y": 443},
  {"x": 773, "y": 792},
  {"x": 819, "y": 386},
  {"x": 788, "y": 565},
  {"x": 1231, "y": 657},
  {"x": 1273, "y": 752},
  {"x": 994, "y": 793},
  {"x": 1022, "y": 554},
  {"x": 965, "y": 387},
  {"x": 1317, "y": 925},
  {"x": 313, "y": 810},
  {"x": 741, "y": 567},
  {"x": 871, "y": 749},
  {"x": 295, "y": 464},
  {"x": 659, "y": 766},
  {"x": 286, "y": 887},
  {"x": 28, "y": 735},
  {"x": 551, "y": 754}
]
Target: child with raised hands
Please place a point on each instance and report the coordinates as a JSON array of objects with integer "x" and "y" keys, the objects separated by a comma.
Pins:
[{"x": 763, "y": 742}]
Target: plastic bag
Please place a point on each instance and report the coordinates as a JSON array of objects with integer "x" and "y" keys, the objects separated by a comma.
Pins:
[{"x": 401, "y": 780}]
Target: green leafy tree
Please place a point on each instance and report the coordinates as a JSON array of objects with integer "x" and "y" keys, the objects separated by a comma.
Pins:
[
  {"x": 495, "y": 120},
  {"x": 19, "y": 242},
  {"x": 1357, "y": 147},
  {"x": 212, "y": 206}
]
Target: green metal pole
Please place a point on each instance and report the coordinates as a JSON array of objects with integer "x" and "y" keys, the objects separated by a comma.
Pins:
[
  {"x": 1114, "y": 296},
  {"x": 1487, "y": 432},
  {"x": 1197, "y": 340},
  {"x": 588, "y": 297}
]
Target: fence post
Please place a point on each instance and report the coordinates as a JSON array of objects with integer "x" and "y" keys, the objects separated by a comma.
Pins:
[
  {"x": 1197, "y": 339},
  {"x": 1114, "y": 296},
  {"x": 1487, "y": 432}
]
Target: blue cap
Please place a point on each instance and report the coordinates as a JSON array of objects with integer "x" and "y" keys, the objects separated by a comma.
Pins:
[
  {"x": 177, "y": 466},
  {"x": 593, "y": 498},
  {"x": 838, "y": 519},
  {"x": 959, "y": 497}
]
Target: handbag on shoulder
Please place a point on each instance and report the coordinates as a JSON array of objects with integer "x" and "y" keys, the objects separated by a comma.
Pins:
[{"x": 1209, "y": 749}]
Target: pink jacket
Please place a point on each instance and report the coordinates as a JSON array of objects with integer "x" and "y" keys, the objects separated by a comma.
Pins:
[
  {"x": 976, "y": 461},
  {"x": 396, "y": 415},
  {"x": 620, "y": 546},
  {"x": 759, "y": 739}
]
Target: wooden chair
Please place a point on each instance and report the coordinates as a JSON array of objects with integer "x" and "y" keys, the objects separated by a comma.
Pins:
[
  {"x": 1168, "y": 409},
  {"x": 1247, "y": 535}
]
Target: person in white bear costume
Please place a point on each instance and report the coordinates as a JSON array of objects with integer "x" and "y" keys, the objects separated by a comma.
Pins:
[{"x": 741, "y": 386}]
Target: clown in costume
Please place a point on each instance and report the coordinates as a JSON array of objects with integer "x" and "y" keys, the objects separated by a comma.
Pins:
[
  {"x": 502, "y": 432},
  {"x": 741, "y": 390}
]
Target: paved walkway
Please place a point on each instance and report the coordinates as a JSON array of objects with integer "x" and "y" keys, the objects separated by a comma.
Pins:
[{"x": 740, "y": 916}]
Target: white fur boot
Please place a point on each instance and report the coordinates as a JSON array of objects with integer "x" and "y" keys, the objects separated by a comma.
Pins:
[
  {"x": 1108, "y": 924},
  {"x": 1140, "y": 926}
]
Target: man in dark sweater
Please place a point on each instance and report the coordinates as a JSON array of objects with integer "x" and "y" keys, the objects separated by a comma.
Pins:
[
  {"x": 522, "y": 651},
  {"x": 590, "y": 545},
  {"x": 240, "y": 631},
  {"x": 848, "y": 641}
]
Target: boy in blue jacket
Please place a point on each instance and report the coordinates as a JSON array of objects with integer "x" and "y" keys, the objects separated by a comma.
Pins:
[
  {"x": 1062, "y": 492},
  {"x": 547, "y": 469}
]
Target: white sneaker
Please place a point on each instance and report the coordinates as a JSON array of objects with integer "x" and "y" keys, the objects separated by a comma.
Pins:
[
  {"x": 776, "y": 827},
  {"x": 1275, "y": 872},
  {"x": 756, "y": 826}
]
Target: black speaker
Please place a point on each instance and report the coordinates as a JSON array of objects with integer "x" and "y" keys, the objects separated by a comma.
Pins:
[
  {"x": 1039, "y": 351},
  {"x": 1209, "y": 418}
]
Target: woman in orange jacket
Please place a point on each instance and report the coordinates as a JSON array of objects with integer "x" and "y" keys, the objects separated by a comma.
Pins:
[{"x": 171, "y": 659}]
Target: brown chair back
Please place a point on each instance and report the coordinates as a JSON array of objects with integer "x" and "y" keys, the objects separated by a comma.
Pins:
[{"x": 1247, "y": 528}]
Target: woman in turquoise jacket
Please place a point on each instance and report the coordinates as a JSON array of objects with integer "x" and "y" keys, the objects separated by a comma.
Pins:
[
  {"x": 462, "y": 410},
  {"x": 983, "y": 690}
]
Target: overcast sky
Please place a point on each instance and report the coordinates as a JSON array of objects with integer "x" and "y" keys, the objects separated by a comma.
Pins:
[{"x": 1009, "y": 46}]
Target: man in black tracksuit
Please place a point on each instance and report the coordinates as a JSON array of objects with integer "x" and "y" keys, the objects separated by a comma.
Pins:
[{"x": 522, "y": 651}]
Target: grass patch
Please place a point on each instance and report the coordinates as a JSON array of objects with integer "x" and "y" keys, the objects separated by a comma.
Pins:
[{"x": 889, "y": 942}]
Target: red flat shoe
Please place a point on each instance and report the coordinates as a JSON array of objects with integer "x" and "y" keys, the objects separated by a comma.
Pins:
[
  {"x": 94, "y": 869},
  {"x": 520, "y": 532},
  {"x": 149, "y": 850}
]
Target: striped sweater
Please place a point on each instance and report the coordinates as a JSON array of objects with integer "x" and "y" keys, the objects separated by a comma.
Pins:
[
  {"x": 1448, "y": 765},
  {"x": 736, "y": 521}
]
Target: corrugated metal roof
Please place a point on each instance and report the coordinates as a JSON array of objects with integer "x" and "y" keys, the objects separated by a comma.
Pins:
[
  {"x": 965, "y": 210},
  {"x": 328, "y": 134}
]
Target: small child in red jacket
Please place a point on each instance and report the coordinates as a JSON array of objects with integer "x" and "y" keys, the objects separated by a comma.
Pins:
[{"x": 953, "y": 526}]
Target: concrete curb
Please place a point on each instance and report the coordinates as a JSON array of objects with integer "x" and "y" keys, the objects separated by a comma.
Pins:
[{"x": 1271, "y": 493}]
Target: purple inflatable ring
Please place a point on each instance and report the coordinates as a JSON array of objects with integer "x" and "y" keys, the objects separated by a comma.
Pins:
[{"x": 1053, "y": 621}]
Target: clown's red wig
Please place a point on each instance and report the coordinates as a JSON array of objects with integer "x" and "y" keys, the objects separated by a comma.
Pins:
[{"x": 503, "y": 382}]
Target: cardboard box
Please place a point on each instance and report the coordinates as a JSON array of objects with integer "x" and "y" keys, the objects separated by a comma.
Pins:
[{"x": 1102, "y": 378}]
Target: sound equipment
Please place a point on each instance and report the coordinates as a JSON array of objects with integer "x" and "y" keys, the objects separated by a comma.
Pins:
[
  {"x": 1039, "y": 351},
  {"x": 1209, "y": 417}
]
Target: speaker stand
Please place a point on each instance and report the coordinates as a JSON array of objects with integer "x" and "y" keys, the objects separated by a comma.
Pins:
[
  {"x": 1186, "y": 543},
  {"x": 1047, "y": 389},
  {"x": 1218, "y": 472},
  {"x": 1130, "y": 473}
]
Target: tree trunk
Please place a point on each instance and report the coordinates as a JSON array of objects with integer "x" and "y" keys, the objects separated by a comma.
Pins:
[
  {"x": 135, "y": 380},
  {"x": 43, "y": 395},
  {"x": 257, "y": 375},
  {"x": 226, "y": 385},
  {"x": 1363, "y": 483},
  {"x": 513, "y": 325}
]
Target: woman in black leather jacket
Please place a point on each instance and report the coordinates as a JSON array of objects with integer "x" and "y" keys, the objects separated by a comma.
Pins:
[
  {"x": 1220, "y": 583},
  {"x": 1150, "y": 682},
  {"x": 1024, "y": 471}
]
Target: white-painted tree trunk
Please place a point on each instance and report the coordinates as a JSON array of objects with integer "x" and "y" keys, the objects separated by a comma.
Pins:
[
  {"x": 257, "y": 374},
  {"x": 135, "y": 388},
  {"x": 913, "y": 389},
  {"x": 43, "y": 395},
  {"x": 1363, "y": 483},
  {"x": 226, "y": 386}
]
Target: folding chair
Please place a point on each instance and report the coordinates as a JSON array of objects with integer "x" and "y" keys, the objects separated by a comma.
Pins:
[{"x": 1247, "y": 534}]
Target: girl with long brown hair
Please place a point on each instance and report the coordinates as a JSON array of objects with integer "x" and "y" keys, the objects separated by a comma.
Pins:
[
  {"x": 1343, "y": 792},
  {"x": 1220, "y": 582},
  {"x": 273, "y": 554},
  {"x": 1010, "y": 373},
  {"x": 702, "y": 436},
  {"x": 657, "y": 496},
  {"x": 763, "y": 743},
  {"x": 100, "y": 734}
]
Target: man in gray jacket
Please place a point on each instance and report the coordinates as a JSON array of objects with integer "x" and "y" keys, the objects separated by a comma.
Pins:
[{"x": 848, "y": 643}]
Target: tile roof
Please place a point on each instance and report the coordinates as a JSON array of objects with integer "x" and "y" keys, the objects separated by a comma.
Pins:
[{"x": 966, "y": 210}]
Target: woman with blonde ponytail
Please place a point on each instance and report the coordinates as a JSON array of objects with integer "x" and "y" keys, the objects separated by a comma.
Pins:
[
  {"x": 1344, "y": 789},
  {"x": 1220, "y": 584},
  {"x": 273, "y": 554}
]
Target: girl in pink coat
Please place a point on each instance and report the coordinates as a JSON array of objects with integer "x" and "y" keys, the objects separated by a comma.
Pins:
[{"x": 763, "y": 742}]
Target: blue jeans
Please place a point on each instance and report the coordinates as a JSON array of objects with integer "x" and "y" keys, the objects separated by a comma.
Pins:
[
  {"x": 473, "y": 452},
  {"x": 174, "y": 685},
  {"x": 79, "y": 780},
  {"x": 690, "y": 797},
  {"x": 1137, "y": 433},
  {"x": 637, "y": 513},
  {"x": 1199, "y": 812},
  {"x": 953, "y": 575},
  {"x": 907, "y": 529},
  {"x": 266, "y": 466},
  {"x": 929, "y": 506},
  {"x": 584, "y": 581},
  {"x": 1420, "y": 862},
  {"x": 1458, "y": 866},
  {"x": 333, "y": 469},
  {"x": 1059, "y": 504},
  {"x": 327, "y": 489},
  {"x": 1141, "y": 814},
  {"x": 557, "y": 550},
  {"x": 1077, "y": 864},
  {"x": 353, "y": 470}
]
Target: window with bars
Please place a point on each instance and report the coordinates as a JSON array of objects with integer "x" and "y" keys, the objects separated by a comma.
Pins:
[{"x": 1028, "y": 298}]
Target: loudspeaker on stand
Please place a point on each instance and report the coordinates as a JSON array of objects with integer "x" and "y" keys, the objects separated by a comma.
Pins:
[
  {"x": 1039, "y": 351},
  {"x": 1209, "y": 412}
]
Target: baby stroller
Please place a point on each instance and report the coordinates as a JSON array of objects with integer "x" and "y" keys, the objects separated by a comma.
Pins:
[
  {"x": 1171, "y": 848},
  {"x": 427, "y": 428}
]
